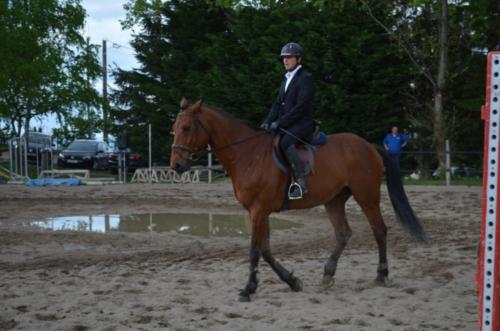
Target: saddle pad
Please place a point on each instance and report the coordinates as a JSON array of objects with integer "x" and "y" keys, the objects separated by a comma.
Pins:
[{"x": 319, "y": 139}]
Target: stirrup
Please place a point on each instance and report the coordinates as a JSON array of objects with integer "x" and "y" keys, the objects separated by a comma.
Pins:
[{"x": 290, "y": 189}]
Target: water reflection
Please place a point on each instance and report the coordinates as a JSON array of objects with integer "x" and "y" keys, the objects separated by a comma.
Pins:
[{"x": 195, "y": 224}]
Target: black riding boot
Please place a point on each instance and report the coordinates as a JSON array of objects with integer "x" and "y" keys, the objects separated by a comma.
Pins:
[{"x": 299, "y": 188}]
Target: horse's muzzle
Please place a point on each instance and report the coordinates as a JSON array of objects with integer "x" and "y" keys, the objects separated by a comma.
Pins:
[{"x": 182, "y": 165}]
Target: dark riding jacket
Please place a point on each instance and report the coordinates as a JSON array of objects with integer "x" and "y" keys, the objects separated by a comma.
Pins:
[{"x": 293, "y": 109}]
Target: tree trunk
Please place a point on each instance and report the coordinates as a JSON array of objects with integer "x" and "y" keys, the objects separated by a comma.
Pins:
[
  {"x": 439, "y": 125},
  {"x": 27, "y": 121},
  {"x": 19, "y": 125},
  {"x": 13, "y": 129}
]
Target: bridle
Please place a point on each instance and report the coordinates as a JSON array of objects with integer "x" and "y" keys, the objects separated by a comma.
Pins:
[
  {"x": 198, "y": 125},
  {"x": 196, "y": 154}
]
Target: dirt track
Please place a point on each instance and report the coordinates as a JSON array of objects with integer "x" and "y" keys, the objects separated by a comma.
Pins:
[{"x": 121, "y": 281}]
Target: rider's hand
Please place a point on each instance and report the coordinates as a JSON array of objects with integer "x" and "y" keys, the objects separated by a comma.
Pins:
[
  {"x": 264, "y": 126},
  {"x": 274, "y": 125}
]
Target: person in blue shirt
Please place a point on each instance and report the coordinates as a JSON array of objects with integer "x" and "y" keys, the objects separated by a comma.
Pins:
[{"x": 394, "y": 143}]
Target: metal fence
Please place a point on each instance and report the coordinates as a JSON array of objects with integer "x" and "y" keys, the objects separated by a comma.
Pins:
[{"x": 459, "y": 165}]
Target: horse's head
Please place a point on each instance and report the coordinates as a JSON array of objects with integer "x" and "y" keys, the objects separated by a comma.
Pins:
[{"x": 190, "y": 136}]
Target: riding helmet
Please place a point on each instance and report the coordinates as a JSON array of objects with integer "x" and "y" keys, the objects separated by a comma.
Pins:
[{"x": 291, "y": 49}]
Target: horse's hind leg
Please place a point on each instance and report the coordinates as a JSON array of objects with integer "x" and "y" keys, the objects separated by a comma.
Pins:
[
  {"x": 366, "y": 191},
  {"x": 336, "y": 212},
  {"x": 372, "y": 212}
]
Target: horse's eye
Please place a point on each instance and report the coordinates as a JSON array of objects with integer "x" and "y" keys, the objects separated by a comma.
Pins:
[{"x": 186, "y": 128}]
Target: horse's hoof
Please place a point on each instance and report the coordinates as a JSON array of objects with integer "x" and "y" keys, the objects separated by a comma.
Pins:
[
  {"x": 244, "y": 298},
  {"x": 381, "y": 281},
  {"x": 296, "y": 284},
  {"x": 327, "y": 282}
]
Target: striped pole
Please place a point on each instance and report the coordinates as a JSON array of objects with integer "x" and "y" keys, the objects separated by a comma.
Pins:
[{"x": 488, "y": 274}]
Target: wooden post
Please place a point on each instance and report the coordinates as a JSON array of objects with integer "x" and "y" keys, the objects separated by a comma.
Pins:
[
  {"x": 448, "y": 163},
  {"x": 104, "y": 92},
  {"x": 119, "y": 166},
  {"x": 125, "y": 170},
  {"x": 210, "y": 224},
  {"x": 209, "y": 164},
  {"x": 11, "y": 158},
  {"x": 38, "y": 164},
  {"x": 150, "y": 170},
  {"x": 25, "y": 145}
]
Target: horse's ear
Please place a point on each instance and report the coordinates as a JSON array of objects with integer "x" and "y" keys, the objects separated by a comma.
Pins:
[
  {"x": 184, "y": 103},
  {"x": 197, "y": 105}
]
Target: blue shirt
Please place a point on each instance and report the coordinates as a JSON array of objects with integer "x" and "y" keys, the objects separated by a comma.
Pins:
[{"x": 395, "y": 143}]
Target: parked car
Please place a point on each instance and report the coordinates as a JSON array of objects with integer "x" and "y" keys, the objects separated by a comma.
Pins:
[
  {"x": 38, "y": 143},
  {"x": 134, "y": 161},
  {"x": 461, "y": 172},
  {"x": 84, "y": 153}
]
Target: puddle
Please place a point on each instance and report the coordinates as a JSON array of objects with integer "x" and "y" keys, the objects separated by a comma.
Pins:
[{"x": 205, "y": 225}]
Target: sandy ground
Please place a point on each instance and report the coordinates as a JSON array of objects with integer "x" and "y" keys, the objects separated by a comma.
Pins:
[{"x": 171, "y": 281}]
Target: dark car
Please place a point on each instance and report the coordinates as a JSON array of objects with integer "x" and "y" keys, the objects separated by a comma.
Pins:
[
  {"x": 134, "y": 161},
  {"x": 38, "y": 143},
  {"x": 83, "y": 153},
  {"x": 460, "y": 172}
]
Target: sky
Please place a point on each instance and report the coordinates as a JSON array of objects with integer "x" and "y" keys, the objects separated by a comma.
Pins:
[{"x": 103, "y": 22}]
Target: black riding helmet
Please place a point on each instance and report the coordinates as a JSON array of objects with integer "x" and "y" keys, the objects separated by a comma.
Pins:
[{"x": 291, "y": 49}]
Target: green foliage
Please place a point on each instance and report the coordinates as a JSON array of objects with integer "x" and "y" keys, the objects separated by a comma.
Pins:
[
  {"x": 442, "y": 182},
  {"x": 46, "y": 67},
  {"x": 226, "y": 53},
  {"x": 135, "y": 9},
  {"x": 230, "y": 59}
]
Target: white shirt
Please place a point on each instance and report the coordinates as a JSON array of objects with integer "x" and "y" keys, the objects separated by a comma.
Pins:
[{"x": 290, "y": 74}]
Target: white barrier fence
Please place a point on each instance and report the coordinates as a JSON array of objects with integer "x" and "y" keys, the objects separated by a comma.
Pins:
[
  {"x": 488, "y": 273},
  {"x": 168, "y": 175}
]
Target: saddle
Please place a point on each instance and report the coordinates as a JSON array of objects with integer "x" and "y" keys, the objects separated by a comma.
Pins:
[{"x": 306, "y": 153}]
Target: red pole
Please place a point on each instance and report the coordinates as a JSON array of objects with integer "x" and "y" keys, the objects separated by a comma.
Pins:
[{"x": 488, "y": 272}]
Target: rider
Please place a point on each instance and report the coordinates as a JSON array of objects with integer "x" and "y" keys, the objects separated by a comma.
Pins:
[{"x": 293, "y": 112}]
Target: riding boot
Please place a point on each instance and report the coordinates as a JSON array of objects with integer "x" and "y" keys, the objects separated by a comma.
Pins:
[{"x": 298, "y": 188}]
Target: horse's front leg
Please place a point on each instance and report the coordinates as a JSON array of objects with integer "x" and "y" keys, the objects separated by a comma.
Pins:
[
  {"x": 251, "y": 286},
  {"x": 286, "y": 276},
  {"x": 259, "y": 246},
  {"x": 260, "y": 231},
  {"x": 265, "y": 250}
]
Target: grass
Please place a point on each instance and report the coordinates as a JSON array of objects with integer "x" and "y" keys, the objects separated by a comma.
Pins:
[
  {"x": 441, "y": 182},
  {"x": 409, "y": 181},
  {"x": 93, "y": 173}
]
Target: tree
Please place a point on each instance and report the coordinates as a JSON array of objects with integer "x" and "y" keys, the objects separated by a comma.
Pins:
[
  {"x": 170, "y": 67},
  {"x": 230, "y": 58},
  {"x": 374, "y": 66},
  {"x": 411, "y": 12},
  {"x": 445, "y": 43},
  {"x": 46, "y": 67}
]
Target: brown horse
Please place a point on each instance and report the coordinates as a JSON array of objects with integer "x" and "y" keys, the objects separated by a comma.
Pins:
[{"x": 346, "y": 165}]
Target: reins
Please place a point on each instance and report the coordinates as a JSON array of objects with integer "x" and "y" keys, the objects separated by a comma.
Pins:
[
  {"x": 204, "y": 152},
  {"x": 294, "y": 136},
  {"x": 194, "y": 155}
]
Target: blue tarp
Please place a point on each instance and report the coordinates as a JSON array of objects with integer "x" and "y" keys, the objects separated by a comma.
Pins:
[{"x": 53, "y": 182}]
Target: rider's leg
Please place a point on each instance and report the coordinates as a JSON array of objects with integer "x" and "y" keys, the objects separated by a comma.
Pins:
[{"x": 298, "y": 167}]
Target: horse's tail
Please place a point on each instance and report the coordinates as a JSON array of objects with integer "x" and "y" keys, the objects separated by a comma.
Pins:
[{"x": 399, "y": 200}]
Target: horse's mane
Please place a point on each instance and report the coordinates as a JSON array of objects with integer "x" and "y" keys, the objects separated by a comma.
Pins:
[{"x": 228, "y": 116}]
